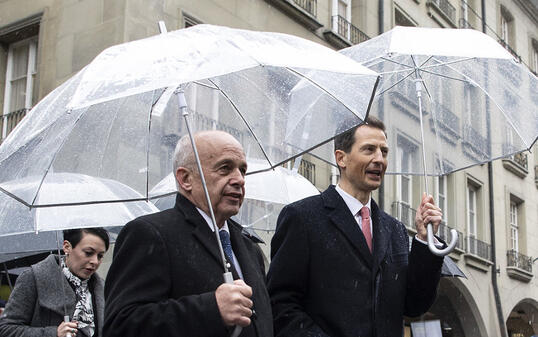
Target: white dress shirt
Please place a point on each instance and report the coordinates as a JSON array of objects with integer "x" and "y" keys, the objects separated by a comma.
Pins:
[
  {"x": 355, "y": 206},
  {"x": 209, "y": 222}
]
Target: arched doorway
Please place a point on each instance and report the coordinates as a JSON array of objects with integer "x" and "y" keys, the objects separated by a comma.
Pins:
[
  {"x": 523, "y": 319},
  {"x": 456, "y": 310}
]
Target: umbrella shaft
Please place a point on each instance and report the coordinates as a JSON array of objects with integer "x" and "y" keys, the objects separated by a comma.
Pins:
[{"x": 183, "y": 109}]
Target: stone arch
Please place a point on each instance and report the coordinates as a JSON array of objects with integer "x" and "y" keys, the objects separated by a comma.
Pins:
[
  {"x": 457, "y": 310},
  {"x": 523, "y": 318}
]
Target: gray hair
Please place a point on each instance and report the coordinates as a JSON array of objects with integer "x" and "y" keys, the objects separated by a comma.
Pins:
[{"x": 183, "y": 155}]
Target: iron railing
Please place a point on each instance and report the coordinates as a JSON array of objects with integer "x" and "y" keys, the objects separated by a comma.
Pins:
[
  {"x": 520, "y": 159},
  {"x": 519, "y": 260},
  {"x": 449, "y": 119},
  {"x": 475, "y": 140},
  {"x": 348, "y": 31},
  {"x": 444, "y": 233},
  {"x": 11, "y": 120},
  {"x": 446, "y": 8},
  {"x": 507, "y": 47},
  {"x": 478, "y": 248},
  {"x": 404, "y": 213},
  {"x": 311, "y": 6}
]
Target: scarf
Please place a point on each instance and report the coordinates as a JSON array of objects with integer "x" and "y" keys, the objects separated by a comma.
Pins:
[{"x": 83, "y": 308}]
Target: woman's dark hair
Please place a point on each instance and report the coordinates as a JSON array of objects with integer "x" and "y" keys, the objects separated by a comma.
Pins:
[{"x": 75, "y": 235}]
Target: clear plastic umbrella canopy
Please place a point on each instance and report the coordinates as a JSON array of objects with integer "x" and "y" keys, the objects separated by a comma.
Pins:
[
  {"x": 118, "y": 118},
  {"x": 266, "y": 193},
  {"x": 55, "y": 212},
  {"x": 478, "y": 102}
]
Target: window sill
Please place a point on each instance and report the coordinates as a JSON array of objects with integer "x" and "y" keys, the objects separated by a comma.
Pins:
[
  {"x": 296, "y": 12},
  {"x": 519, "y": 274},
  {"x": 515, "y": 168},
  {"x": 336, "y": 40},
  {"x": 477, "y": 262}
]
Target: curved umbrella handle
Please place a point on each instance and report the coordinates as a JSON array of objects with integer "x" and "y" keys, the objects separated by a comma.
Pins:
[
  {"x": 445, "y": 251},
  {"x": 228, "y": 278}
]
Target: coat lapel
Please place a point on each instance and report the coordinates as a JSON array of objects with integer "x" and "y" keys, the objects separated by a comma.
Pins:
[
  {"x": 382, "y": 230},
  {"x": 241, "y": 253},
  {"x": 342, "y": 218},
  {"x": 47, "y": 275},
  {"x": 201, "y": 231}
]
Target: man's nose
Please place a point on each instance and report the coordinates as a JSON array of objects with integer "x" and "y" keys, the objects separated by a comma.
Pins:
[
  {"x": 378, "y": 155},
  {"x": 238, "y": 177}
]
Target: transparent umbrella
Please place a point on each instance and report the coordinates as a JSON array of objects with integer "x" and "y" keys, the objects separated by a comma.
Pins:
[
  {"x": 120, "y": 117},
  {"x": 456, "y": 94}
]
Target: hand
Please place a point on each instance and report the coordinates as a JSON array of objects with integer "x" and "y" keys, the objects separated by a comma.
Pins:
[
  {"x": 67, "y": 327},
  {"x": 234, "y": 303},
  {"x": 427, "y": 213}
]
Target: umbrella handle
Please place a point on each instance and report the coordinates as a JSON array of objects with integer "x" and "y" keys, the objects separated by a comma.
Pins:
[
  {"x": 67, "y": 320},
  {"x": 447, "y": 250},
  {"x": 228, "y": 278}
]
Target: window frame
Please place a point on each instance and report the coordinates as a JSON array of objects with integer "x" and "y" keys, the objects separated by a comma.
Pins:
[{"x": 31, "y": 71}]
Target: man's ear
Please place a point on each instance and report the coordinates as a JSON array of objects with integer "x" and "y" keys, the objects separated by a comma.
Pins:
[
  {"x": 184, "y": 178},
  {"x": 341, "y": 158}
]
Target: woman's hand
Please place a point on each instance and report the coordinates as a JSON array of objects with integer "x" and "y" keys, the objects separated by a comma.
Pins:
[{"x": 67, "y": 327}]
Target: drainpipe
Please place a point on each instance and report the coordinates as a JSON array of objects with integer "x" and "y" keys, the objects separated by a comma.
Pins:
[{"x": 502, "y": 325}]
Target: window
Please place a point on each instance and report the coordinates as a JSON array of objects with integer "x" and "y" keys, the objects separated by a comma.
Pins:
[
  {"x": 474, "y": 246},
  {"x": 402, "y": 19},
  {"x": 308, "y": 170},
  {"x": 534, "y": 55},
  {"x": 406, "y": 156},
  {"x": 442, "y": 188},
  {"x": 506, "y": 29},
  {"x": 189, "y": 20},
  {"x": 471, "y": 211},
  {"x": 341, "y": 17},
  {"x": 19, "y": 42},
  {"x": 514, "y": 228}
]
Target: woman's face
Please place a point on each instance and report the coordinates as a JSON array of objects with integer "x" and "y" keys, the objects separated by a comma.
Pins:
[{"x": 84, "y": 259}]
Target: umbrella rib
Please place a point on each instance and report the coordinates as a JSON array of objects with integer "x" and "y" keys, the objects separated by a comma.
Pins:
[
  {"x": 325, "y": 91},
  {"x": 395, "y": 62},
  {"x": 421, "y": 79},
  {"x": 55, "y": 154},
  {"x": 395, "y": 84},
  {"x": 445, "y": 76},
  {"x": 445, "y": 63},
  {"x": 509, "y": 120},
  {"x": 16, "y": 198},
  {"x": 244, "y": 120}
]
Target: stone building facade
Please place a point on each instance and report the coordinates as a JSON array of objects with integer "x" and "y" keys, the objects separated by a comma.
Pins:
[{"x": 45, "y": 42}]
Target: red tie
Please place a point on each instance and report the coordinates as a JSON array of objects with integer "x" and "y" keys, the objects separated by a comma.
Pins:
[{"x": 365, "y": 214}]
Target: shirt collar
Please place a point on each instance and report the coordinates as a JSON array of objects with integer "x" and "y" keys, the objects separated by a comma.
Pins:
[
  {"x": 352, "y": 203},
  {"x": 209, "y": 222}
]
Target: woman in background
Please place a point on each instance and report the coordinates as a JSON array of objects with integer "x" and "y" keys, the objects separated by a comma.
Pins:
[{"x": 36, "y": 305}]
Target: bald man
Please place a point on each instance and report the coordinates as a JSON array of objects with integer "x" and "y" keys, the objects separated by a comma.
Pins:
[{"x": 166, "y": 276}]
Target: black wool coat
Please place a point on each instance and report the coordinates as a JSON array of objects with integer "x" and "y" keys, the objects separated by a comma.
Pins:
[
  {"x": 323, "y": 280},
  {"x": 164, "y": 274}
]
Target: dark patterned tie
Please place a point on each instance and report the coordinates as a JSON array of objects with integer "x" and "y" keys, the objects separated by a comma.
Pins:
[{"x": 226, "y": 245}]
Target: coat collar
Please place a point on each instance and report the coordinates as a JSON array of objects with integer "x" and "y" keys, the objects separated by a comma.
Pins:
[
  {"x": 47, "y": 273},
  {"x": 342, "y": 218},
  {"x": 206, "y": 237}
]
